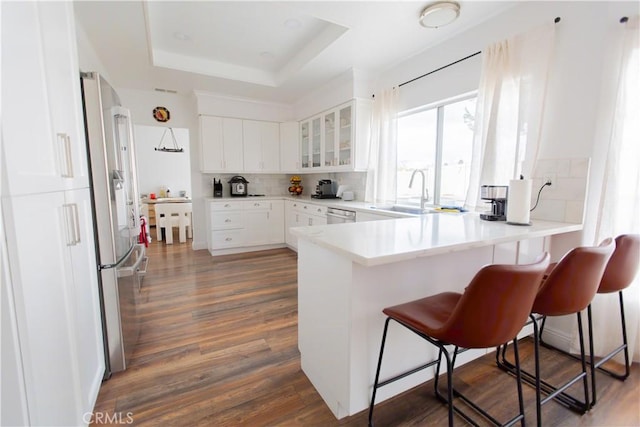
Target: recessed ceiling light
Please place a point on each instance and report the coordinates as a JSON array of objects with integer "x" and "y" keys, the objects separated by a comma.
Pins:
[
  {"x": 292, "y": 24},
  {"x": 439, "y": 14},
  {"x": 181, "y": 36}
]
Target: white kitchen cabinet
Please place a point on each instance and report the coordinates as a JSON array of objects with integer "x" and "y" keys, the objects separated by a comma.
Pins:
[
  {"x": 299, "y": 214},
  {"x": 275, "y": 223},
  {"x": 256, "y": 219},
  {"x": 221, "y": 144},
  {"x": 311, "y": 144},
  {"x": 289, "y": 147},
  {"x": 51, "y": 272},
  {"x": 41, "y": 100},
  {"x": 290, "y": 220},
  {"x": 261, "y": 142},
  {"x": 337, "y": 139},
  {"x": 56, "y": 304},
  {"x": 226, "y": 225},
  {"x": 264, "y": 222},
  {"x": 244, "y": 225}
]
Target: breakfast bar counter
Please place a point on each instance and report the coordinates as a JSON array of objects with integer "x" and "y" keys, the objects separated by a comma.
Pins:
[{"x": 347, "y": 273}]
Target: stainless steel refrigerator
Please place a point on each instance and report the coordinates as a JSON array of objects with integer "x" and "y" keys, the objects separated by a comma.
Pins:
[{"x": 121, "y": 260}]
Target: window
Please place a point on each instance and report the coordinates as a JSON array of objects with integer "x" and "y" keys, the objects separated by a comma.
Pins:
[{"x": 436, "y": 139}]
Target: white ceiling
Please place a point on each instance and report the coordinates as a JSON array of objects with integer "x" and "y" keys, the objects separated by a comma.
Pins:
[{"x": 267, "y": 50}]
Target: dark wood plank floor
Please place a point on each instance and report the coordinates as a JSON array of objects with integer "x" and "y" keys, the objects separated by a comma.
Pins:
[{"x": 218, "y": 347}]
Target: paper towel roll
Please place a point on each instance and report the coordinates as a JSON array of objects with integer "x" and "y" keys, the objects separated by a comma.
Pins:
[{"x": 519, "y": 201}]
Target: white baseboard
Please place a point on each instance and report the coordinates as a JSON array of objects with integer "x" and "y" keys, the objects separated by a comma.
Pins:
[
  {"x": 557, "y": 338},
  {"x": 246, "y": 249},
  {"x": 198, "y": 245}
]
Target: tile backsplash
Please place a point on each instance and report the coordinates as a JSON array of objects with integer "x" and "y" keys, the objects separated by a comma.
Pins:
[
  {"x": 278, "y": 184},
  {"x": 565, "y": 199}
]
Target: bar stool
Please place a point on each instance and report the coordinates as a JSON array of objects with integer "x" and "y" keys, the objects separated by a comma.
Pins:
[
  {"x": 618, "y": 275},
  {"x": 492, "y": 310},
  {"x": 568, "y": 289}
]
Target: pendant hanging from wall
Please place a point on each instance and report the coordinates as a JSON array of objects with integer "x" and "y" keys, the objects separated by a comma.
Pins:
[{"x": 174, "y": 149}]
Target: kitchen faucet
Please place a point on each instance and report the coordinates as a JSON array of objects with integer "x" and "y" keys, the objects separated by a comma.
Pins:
[{"x": 422, "y": 196}]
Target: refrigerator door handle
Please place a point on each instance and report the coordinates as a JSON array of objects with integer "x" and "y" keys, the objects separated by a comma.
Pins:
[
  {"x": 131, "y": 269},
  {"x": 120, "y": 262}
]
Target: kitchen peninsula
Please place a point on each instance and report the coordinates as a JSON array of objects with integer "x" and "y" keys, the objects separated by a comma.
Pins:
[{"x": 347, "y": 273}]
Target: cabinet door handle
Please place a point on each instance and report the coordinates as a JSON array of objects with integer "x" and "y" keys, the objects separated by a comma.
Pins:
[
  {"x": 227, "y": 220},
  {"x": 73, "y": 224},
  {"x": 66, "y": 157},
  {"x": 310, "y": 221},
  {"x": 256, "y": 204},
  {"x": 227, "y": 205},
  {"x": 228, "y": 239},
  {"x": 305, "y": 207}
]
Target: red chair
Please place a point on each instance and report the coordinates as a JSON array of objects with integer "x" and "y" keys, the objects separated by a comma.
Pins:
[
  {"x": 619, "y": 274},
  {"x": 492, "y": 311},
  {"x": 568, "y": 289}
]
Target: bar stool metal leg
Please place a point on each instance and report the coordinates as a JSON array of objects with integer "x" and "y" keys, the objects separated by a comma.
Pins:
[
  {"x": 375, "y": 384},
  {"x": 592, "y": 363}
]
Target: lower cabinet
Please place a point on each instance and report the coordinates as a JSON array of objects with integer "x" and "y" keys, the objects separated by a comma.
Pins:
[
  {"x": 53, "y": 305},
  {"x": 299, "y": 214},
  {"x": 244, "y": 225}
]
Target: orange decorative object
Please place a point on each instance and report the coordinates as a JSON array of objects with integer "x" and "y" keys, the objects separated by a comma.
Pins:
[
  {"x": 161, "y": 114},
  {"x": 295, "y": 188}
]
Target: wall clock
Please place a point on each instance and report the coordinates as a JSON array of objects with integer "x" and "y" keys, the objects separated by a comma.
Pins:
[{"x": 161, "y": 114}]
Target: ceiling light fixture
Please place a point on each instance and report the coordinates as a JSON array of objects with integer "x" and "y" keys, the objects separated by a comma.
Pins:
[{"x": 439, "y": 14}]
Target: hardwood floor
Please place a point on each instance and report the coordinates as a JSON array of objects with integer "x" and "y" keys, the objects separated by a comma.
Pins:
[{"x": 218, "y": 347}]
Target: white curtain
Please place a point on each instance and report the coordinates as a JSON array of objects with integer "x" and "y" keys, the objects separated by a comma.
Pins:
[
  {"x": 381, "y": 173},
  {"x": 619, "y": 211},
  {"x": 509, "y": 109}
]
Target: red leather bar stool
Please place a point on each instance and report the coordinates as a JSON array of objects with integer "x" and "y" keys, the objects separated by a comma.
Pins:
[
  {"x": 568, "y": 289},
  {"x": 619, "y": 274},
  {"x": 494, "y": 307}
]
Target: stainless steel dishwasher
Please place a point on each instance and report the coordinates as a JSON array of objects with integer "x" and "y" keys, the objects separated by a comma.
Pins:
[{"x": 339, "y": 216}]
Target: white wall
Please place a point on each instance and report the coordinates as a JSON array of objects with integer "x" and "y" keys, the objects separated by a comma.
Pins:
[
  {"x": 87, "y": 58},
  {"x": 159, "y": 168},
  {"x": 337, "y": 91},
  {"x": 227, "y": 106}
]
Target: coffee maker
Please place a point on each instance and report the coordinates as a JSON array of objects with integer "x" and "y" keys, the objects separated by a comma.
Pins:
[
  {"x": 325, "y": 190},
  {"x": 497, "y": 196}
]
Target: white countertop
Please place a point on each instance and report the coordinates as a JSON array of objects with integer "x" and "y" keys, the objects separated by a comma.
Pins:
[
  {"x": 166, "y": 200},
  {"x": 337, "y": 203},
  {"x": 381, "y": 242}
]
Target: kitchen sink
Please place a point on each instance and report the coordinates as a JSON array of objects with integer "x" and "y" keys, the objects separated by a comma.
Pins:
[{"x": 411, "y": 210}]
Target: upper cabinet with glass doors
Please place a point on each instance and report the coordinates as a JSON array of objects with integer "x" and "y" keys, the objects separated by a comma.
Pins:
[{"x": 337, "y": 139}]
